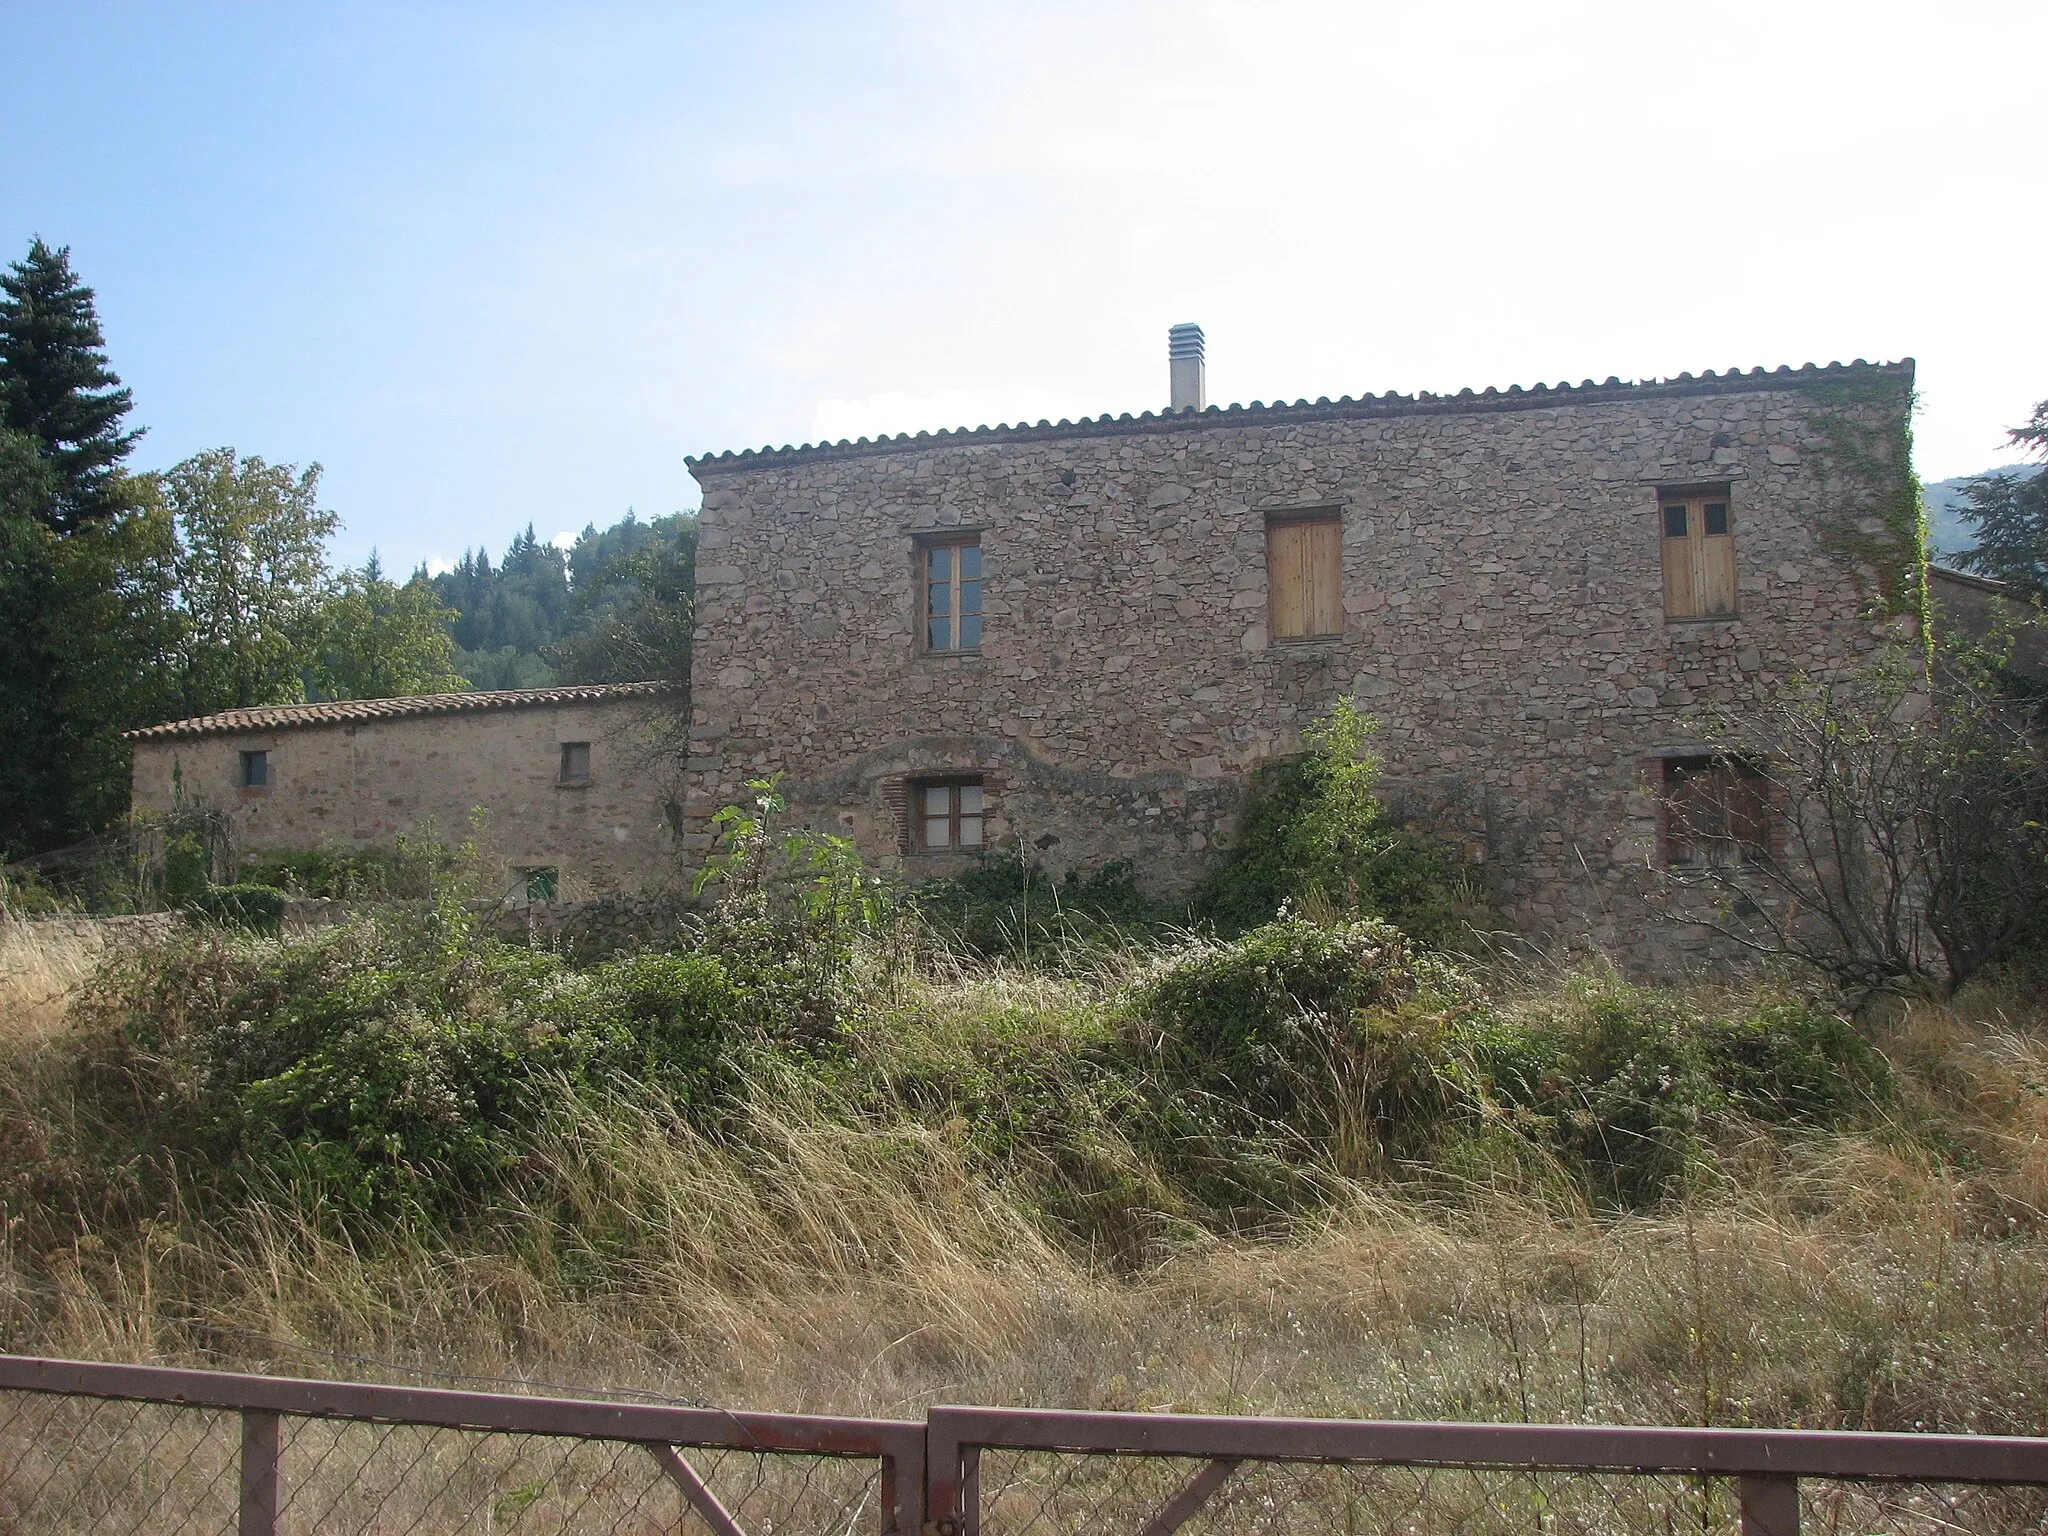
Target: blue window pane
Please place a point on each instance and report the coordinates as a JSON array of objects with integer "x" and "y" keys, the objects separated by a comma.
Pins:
[
  {"x": 937, "y": 636},
  {"x": 970, "y": 631},
  {"x": 1717, "y": 518},
  {"x": 940, "y": 598},
  {"x": 970, "y": 561},
  {"x": 939, "y": 562},
  {"x": 1674, "y": 522},
  {"x": 970, "y": 597}
]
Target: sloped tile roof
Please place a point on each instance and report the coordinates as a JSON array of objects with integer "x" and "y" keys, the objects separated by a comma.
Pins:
[
  {"x": 281, "y": 717},
  {"x": 1280, "y": 412}
]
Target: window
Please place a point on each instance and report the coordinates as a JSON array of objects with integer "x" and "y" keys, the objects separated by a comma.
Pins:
[
  {"x": 1699, "y": 552},
  {"x": 541, "y": 883},
  {"x": 952, "y": 595},
  {"x": 947, "y": 814},
  {"x": 255, "y": 770},
  {"x": 1305, "y": 575},
  {"x": 1717, "y": 812},
  {"x": 575, "y": 762}
]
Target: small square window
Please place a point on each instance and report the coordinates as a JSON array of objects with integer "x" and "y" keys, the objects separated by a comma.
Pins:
[
  {"x": 1717, "y": 813},
  {"x": 948, "y": 814},
  {"x": 255, "y": 770},
  {"x": 950, "y": 575},
  {"x": 541, "y": 883},
  {"x": 575, "y": 762}
]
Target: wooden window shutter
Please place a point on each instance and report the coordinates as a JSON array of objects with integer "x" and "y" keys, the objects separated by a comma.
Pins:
[
  {"x": 1698, "y": 539},
  {"x": 896, "y": 795},
  {"x": 1325, "y": 579},
  {"x": 1305, "y": 577}
]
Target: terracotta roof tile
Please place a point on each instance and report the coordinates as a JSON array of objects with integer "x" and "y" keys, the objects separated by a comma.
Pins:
[
  {"x": 280, "y": 717},
  {"x": 1465, "y": 402}
]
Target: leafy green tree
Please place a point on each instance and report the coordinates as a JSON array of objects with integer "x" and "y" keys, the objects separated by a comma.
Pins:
[
  {"x": 1313, "y": 832},
  {"x": 380, "y": 640},
  {"x": 250, "y": 569},
  {"x": 636, "y": 610},
  {"x": 57, "y": 390},
  {"x": 2009, "y": 511},
  {"x": 80, "y": 615}
]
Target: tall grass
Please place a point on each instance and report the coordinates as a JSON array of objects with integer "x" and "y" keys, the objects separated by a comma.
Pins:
[{"x": 863, "y": 1241}]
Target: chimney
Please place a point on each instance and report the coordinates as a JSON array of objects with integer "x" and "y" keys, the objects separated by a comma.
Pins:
[{"x": 1184, "y": 360}]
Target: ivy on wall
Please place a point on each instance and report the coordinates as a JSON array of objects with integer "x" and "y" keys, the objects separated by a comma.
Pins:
[{"x": 1877, "y": 520}]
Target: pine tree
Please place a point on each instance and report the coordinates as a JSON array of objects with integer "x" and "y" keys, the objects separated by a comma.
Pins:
[
  {"x": 56, "y": 388},
  {"x": 2010, "y": 513}
]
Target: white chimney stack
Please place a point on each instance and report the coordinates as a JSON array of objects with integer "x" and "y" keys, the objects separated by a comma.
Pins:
[{"x": 1190, "y": 373}]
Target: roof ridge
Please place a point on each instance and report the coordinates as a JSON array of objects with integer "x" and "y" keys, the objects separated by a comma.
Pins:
[
  {"x": 340, "y": 711},
  {"x": 1514, "y": 397}
]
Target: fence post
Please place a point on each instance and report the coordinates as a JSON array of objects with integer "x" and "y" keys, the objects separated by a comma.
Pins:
[
  {"x": 262, "y": 1445},
  {"x": 1770, "y": 1505}
]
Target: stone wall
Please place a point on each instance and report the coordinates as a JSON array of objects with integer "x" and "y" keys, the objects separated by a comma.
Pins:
[
  {"x": 1503, "y": 618},
  {"x": 362, "y": 783},
  {"x": 1991, "y": 612}
]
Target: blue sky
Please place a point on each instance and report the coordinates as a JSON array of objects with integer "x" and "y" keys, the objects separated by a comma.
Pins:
[{"x": 493, "y": 264}]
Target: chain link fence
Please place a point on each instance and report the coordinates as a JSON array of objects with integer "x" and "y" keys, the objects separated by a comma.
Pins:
[
  {"x": 111, "y": 1448},
  {"x": 118, "y": 1449},
  {"x": 997, "y": 1472}
]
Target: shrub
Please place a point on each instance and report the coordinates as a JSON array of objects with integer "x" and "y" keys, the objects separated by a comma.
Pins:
[
  {"x": 1633, "y": 1085},
  {"x": 400, "y": 1063},
  {"x": 1011, "y": 907},
  {"x": 259, "y": 908},
  {"x": 1313, "y": 830}
]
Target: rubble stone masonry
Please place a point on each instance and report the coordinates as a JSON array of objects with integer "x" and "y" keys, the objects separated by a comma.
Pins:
[
  {"x": 359, "y": 774},
  {"x": 1503, "y": 619}
]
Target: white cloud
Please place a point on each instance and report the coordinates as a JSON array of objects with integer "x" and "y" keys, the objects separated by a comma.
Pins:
[
  {"x": 564, "y": 540},
  {"x": 438, "y": 565}
]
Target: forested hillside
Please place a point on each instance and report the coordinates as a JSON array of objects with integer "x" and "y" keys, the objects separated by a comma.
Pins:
[
  {"x": 613, "y": 607},
  {"x": 131, "y": 598}
]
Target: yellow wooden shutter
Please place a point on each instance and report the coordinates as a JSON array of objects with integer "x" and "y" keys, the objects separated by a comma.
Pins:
[
  {"x": 1287, "y": 579},
  {"x": 1715, "y": 557},
  {"x": 1680, "y": 601},
  {"x": 1325, "y": 576}
]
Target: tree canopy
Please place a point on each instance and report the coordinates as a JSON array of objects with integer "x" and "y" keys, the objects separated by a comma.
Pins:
[
  {"x": 2009, "y": 513},
  {"x": 56, "y": 388}
]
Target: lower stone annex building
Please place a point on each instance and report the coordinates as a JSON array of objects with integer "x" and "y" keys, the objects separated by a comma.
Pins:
[
  {"x": 573, "y": 793},
  {"x": 1084, "y": 637}
]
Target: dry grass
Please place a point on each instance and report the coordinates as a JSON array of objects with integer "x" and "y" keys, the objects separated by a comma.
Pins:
[
  {"x": 41, "y": 965},
  {"x": 822, "y": 1263}
]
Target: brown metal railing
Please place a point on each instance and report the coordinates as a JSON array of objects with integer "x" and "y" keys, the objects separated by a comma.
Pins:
[
  {"x": 470, "y": 1460},
  {"x": 1067, "y": 1471},
  {"x": 133, "y": 1448}
]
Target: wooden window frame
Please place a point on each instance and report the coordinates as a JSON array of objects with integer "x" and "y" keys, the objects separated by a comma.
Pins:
[
  {"x": 1315, "y": 601},
  {"x": 953, "y": 784},
  {"x": 563, "y": 775},
  {"x": 1697, "y": 560},
  {"x": 953, "y": 541},
  {"x": 1742, "y": 851}
]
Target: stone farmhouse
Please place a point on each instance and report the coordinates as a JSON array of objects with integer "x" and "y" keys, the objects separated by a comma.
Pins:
[
  {"x": 573, "y": 789},
  {"x": 1079, "y": 640},
  {"x": 1076, "y": 642}
]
